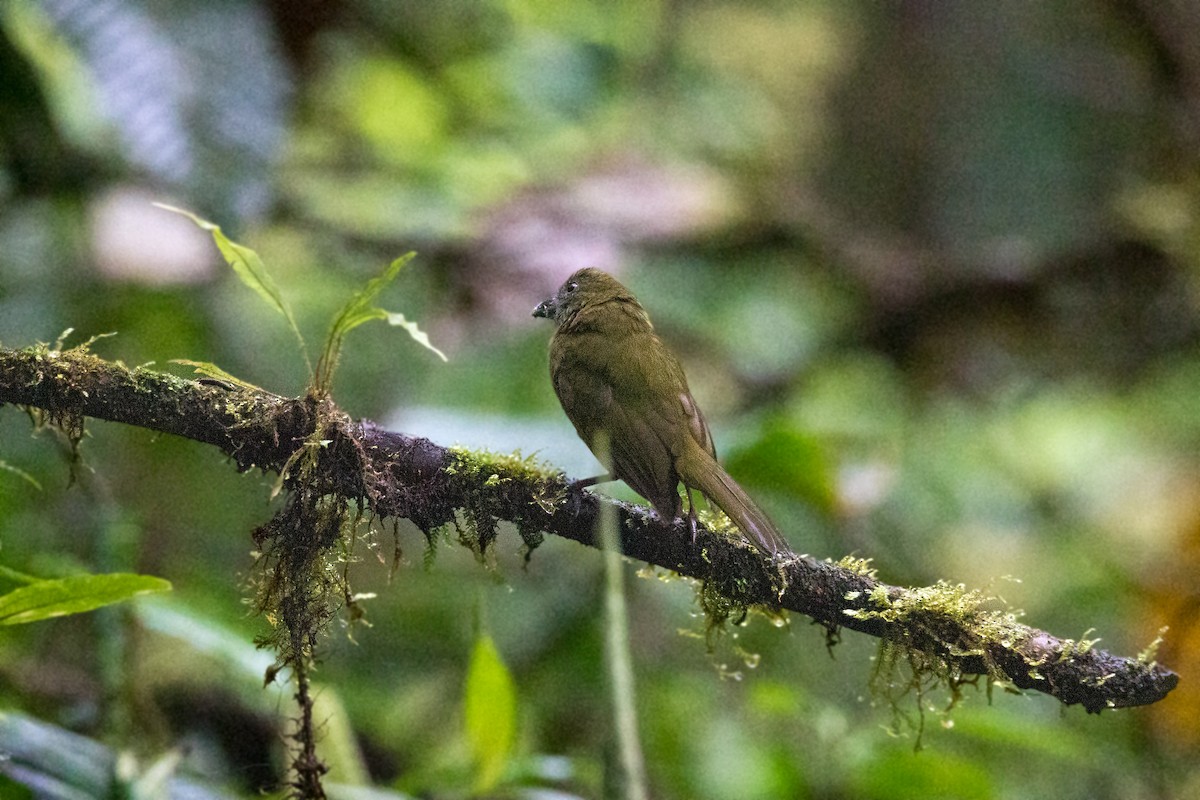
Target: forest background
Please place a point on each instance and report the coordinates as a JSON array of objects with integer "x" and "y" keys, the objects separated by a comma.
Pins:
[{"x": 932, "y": 268}]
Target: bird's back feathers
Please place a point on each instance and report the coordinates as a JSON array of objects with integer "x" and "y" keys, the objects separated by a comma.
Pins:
[{"x": 628, "y": 398}]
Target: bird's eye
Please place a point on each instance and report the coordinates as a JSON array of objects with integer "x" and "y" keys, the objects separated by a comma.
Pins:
[{"x": 572, "y": 286}]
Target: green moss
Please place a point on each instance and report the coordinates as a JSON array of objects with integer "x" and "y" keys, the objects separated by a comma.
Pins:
[
  {"x": 70, "y": 368},
  {"x": 931, "y": 629},
  {"x": 719, "y": 605},
  {"x": 1072, "y": 648},
  {"x": 724, "y": 610},
  {"x": 859, "y": 566},
  {"x": 1149, "y": 656},
  {"x": 491, "y": 484},
  {"x": 477, "y": 461},
  {"x": 715, "y": 520}
]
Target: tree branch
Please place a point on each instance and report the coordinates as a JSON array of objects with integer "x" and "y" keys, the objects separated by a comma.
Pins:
[{"x": 414, "y": 478}]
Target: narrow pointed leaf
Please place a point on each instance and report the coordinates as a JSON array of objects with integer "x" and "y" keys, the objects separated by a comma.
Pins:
[
  {"x": 358, "y": 309},
  {"x": 418, "y": 335},
  {"x": 247, "y": 265},
  {"x": 210, "y": 370},
  {"x": 74, "y": 595},
  {"x": 490, "y": 711},
  {"x": 20, "y": 473}
]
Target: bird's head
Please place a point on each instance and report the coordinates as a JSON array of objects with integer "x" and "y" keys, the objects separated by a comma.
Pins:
[{"x": 585, "y": 287}]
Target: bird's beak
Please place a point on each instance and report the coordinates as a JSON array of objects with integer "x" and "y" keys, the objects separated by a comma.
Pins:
[{"x": 546, "y": 309}]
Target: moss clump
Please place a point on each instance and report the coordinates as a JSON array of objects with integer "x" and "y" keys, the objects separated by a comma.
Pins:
[
  {"x": 1072, "y": 647},
  {"x": 716, "y": 521},
  {"x": 859, "y": 566},
  {"x": 726, "y": 609},
  {"x": 69, "y": 368},
  {"x": 931, "y": 630},
  {"x": 1149, "y": 656},
  {"x": 719, "y": 604},
  {"x": 495, "y": 485}
]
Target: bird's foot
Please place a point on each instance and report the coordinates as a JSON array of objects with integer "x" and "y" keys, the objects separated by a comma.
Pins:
[
  {"x": 692, "y": 520},
  {"x": 576, "y": 494}
]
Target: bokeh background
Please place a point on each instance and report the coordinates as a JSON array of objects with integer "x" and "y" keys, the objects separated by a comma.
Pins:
[{"x": 933, "y": 270}]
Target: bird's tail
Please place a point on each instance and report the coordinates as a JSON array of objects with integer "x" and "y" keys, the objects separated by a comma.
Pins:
[{"x": 721, "y": 489}]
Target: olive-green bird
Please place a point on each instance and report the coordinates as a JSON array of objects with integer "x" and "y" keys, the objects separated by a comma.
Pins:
[{"x": 616, "y": 380}]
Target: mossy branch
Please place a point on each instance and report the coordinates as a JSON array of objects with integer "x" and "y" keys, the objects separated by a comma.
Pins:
[{"x": 404, "y": 476}]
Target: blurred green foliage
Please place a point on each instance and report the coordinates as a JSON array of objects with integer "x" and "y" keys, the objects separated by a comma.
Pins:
[
  {"x": 932, "y": 270},
  {"x": 38, "y": 600}
]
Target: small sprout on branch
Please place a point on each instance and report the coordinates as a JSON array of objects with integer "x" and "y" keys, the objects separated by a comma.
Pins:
[
  {"x": 1149, "y": 656},
  {"x": 859, "y": 566}
]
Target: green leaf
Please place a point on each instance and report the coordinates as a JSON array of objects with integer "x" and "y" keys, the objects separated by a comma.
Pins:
[
  {"x": 57, "y": 598},
  {"x": 418, "y": 335},
  {"x": 339, "y": 747},
  {"x": 210, "y": 370},
  {"x": 16, "y": 577},
  {"x": 490, "y": 711},
  {"x": 359, "y": 309},
  {"x": 248, "y": 266},
  {"x": 788, "y": 461},
  {"x": 20, "y": 473}
]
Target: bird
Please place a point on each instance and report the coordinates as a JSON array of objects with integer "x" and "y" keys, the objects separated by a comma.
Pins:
[{"x": 628, "y": 398}]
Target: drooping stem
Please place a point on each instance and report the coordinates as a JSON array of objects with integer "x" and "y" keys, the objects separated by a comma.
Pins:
[{"x": 631, "y": 762}]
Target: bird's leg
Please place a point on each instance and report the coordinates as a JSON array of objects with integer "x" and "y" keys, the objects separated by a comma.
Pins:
[
  {"x": 691, "y": 511},
  {"x": 575, "y": 491},
  {"x": 583, "y": 483}
]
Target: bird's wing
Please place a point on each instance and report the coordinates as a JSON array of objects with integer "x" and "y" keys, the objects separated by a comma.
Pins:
[
  {"x": 696, "y": 423},
  {"x": 681, "y": 427},
  {"x": 605, "y": 385},
  {"x": 653, "y": 412},
  {"x": 641, "y": 457},
  {"x": 655, "y": 377}
]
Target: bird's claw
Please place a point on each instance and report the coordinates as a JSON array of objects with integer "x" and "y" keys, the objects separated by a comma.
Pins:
[
  {"x": 692, "y": 521},
  {"x": 576, "y": 495}
]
